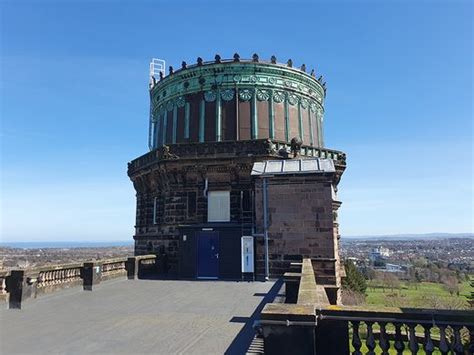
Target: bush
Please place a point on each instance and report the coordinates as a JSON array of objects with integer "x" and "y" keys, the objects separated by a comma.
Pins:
[{"x": 352, "y": 298}]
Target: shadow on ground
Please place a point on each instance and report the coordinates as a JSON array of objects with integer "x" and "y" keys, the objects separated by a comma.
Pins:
[{"x": 242, "y": 341}]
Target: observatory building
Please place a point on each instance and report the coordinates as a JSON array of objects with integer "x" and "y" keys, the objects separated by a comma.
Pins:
[{"x": 237, "y": 182}]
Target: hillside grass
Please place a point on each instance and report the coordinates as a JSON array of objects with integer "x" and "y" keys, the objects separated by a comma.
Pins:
[{"x": 415, "y": 295}]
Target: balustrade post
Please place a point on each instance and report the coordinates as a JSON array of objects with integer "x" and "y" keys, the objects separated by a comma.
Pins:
[
  {"x": 370, "y": 341},
  {"x": 443, "y": 344},
  {"x": 132, "y": 268},
  {"x": 288, "y": 329},
  {"x": 399, "y": 344},
  {"x": 413, "y": 344},
  {"x": 15, "y": 288},
  {"x": 471, "y": 339},
  {"x": 457, "y": 344},
  {"x": 332, "y": 337},
  {"x": 21, "y": 286},
  {"x": 384, "y": 342},
  {"x": 428, "y": 346},
  {"x": 356, "y": 342},
  {"x": 91, "y": 275}
]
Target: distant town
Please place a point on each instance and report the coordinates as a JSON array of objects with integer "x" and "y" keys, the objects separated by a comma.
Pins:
[
  {"x": 401, "y": 255},
  {"x": 25, "y": 258},
  {"x": 397, "y": 254}
]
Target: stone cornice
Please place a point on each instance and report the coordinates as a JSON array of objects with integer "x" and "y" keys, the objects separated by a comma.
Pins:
[{"x": 227, "y": 149}]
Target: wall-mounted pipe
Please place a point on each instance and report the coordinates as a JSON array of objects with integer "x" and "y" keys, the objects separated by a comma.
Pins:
[
  {"x": 265, "y": 225},
  {"x": 206, "y": 186}
]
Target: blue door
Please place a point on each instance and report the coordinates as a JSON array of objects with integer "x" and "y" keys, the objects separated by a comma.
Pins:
[{"x": 208, "y": 255}]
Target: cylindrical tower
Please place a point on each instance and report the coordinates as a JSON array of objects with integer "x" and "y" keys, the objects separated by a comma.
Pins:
[
  {"x": 233, "y": 100},
  {"x": 225, "y": 137}
]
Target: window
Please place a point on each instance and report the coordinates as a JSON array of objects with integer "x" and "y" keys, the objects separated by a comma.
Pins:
[{"x": 218, "y": 206}]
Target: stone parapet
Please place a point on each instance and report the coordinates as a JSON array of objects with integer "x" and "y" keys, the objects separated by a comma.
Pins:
[
  {"x": 314, "y": 327},
  {"x": 21, "y": 285}
]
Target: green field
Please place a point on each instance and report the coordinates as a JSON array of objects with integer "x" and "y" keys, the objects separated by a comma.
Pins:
[{"x": 421, "y": 295}]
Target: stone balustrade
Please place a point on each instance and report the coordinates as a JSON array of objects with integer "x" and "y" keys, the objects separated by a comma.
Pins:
[
  {"x": 3, "y": 286},
  {"x": 394, "y": 330},
  {"x": 307, "y": 324},
  {"x": 20, "y": 285},
  {"x": 49, "y": 277},
  {"x": 114, "y": 268}
]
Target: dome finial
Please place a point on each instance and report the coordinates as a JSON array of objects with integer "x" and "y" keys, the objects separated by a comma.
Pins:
[{"x": 236, "y": 57}]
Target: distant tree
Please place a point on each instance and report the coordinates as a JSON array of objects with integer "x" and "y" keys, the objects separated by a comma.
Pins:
[
  {"x": 437, "y": 302},
  {"x": 418, "y": 276},
  {"x": 368, "y": 272},
  {"x": 354, "y": 279},
  {"x": 391, "y": 281},
  {"x": 451, "y": 285}
]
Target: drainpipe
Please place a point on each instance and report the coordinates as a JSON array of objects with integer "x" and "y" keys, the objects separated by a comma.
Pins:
[
  {"x": 265, "y": 224},
  {"x": 206, "y": 184}
]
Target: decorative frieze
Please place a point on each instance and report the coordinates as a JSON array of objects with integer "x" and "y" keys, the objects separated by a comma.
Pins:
[{"x": 260, "y": 76}]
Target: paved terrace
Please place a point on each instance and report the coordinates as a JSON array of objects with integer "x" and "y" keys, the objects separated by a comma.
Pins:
[{"x": 139, "y": 316}]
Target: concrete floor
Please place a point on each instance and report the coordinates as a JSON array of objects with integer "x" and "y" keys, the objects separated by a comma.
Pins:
[{"x": 137, "y": 317}]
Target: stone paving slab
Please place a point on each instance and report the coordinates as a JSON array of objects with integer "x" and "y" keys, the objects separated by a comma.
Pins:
[{"x": 137, "y": 317}]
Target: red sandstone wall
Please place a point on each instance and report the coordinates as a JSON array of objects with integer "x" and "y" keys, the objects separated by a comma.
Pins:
[{"x": 300, "y": 223}]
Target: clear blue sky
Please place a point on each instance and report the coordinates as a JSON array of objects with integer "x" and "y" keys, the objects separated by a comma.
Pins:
[{"x": 74, "y": 104}]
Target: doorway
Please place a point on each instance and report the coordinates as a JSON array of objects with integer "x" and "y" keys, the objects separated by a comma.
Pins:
[{"x": 208, "y": 255}]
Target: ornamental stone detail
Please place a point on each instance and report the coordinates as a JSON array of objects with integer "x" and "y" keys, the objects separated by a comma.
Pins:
[
  {"x": 278, "y": 96},
  {"x": 304, "y": 103},
  {"x": 180, "y": 101},
  {"x": 245, "y": 94},
  {"x": 263, "y": 95},
  {"x": 292, "y": 99},
  {"x": 169, "y": 105},
  {"x": 210, "y": 96},
  {"x": 227, "y": 94}
]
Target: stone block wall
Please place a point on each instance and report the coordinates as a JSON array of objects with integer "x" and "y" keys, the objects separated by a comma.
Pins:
[
  {"x": 301, "y": 215},
  {"x": 181, "y": 200}
]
